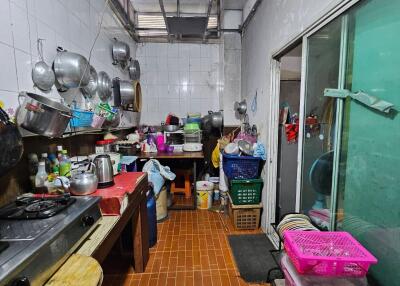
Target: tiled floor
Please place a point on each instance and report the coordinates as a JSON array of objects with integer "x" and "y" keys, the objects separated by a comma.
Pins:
[{"x": 192, "y": 249}]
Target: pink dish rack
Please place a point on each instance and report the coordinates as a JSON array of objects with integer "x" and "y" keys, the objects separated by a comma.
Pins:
[{"x": 327, "y": 253}]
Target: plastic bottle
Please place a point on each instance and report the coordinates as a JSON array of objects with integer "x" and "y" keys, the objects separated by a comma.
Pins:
[
  {"x": 46, "y": 161},
  {"x": 41, "y": 176},
  {"x": 65, "y": 164},
  {"x": 59, "y": 152}
]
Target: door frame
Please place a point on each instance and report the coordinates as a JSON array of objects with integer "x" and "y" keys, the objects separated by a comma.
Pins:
[{"x": 331, "y": 13}]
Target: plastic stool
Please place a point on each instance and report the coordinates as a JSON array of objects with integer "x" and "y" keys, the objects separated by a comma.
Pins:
[{"x": 187, "y": 185}]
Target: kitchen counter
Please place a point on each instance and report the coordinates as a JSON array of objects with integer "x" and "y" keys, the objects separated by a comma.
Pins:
[
  {"x": 172, "y": 155},
  {"x": 132, "y": 187}
]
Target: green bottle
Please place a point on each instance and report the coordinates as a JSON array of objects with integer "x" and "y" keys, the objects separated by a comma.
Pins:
[{"x": 65, "y": 164}]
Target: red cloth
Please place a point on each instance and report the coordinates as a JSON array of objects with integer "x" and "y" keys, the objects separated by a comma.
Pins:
[{"x": 112, "y": 197}]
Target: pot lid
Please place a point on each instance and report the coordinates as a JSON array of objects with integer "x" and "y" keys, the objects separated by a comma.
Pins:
[{"x": 47, "y": 102}]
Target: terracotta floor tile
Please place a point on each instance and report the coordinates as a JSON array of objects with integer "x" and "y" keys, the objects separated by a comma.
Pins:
[{"x": 192, "y": 249}]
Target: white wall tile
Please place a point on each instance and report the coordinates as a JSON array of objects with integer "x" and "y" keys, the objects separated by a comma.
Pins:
[
  {"x": 8, "y": 74},
  {"x": 20, "y": 27},
  {"x": 24, "y": 71},
  {"x": 5, "y": 24}
]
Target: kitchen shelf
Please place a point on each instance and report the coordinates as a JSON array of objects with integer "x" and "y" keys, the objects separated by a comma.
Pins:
[{"x": 67, "y": 134}]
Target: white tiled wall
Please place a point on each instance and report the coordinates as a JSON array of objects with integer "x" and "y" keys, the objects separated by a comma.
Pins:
[
  {"x": 71, "y": 24},
  {"x": 179, "y": 78}
]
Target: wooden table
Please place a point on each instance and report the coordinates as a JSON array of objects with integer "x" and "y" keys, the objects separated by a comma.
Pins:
[
  {"x": 164, "y": 156},
  {"x": 109, "y": 230}
]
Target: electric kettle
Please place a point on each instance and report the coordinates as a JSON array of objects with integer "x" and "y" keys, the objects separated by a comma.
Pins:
[{"x": 104, "y": 171}]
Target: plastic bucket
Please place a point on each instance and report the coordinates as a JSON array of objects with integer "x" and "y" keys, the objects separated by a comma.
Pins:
[{"x": 204, "y": 199}]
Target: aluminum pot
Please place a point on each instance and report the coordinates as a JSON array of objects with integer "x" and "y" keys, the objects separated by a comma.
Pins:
[
  {"x": 134, "y": 69},
  {"x": 43, "y": 116},
  {"x": 120, "y": 52},
  {"x": 72, "y": 70},
  {"x": 83, "y": 184},
  {"x": 89, "y": 91},
  {"x": 104, "y": 86},
  {"x": 11, "y": 146},
  {"x": 127, "y": 92}
]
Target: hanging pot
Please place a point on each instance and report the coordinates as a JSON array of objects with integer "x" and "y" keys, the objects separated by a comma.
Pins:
[
  {"x": 134, "y": 70},
  {"x": 104, "y": 86},
  {"x": 43, "y": 116},
  {"x": 120, "y": 52},
  {"x": 89, "y": 91},
  {"x": 72, "y": 70},
  {"x": 11, "y": 146}
]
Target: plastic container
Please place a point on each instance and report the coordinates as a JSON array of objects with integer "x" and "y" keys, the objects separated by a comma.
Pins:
[
  {"x": 81, "y": 118},
  {"x": 293, "y": 278},
  {"x": 152, "y": 218},
  {"x": 241, "y": 167},
  {"x": 97, "y": 121},
  {"x": 327, "y": 253},
  {"x": 41, "y": 175},
  {"x": 204, "y": 192},
  {"x": 103, "y": 146},
  {"x": 65, "y": 164},
  {"x": 246, "y": 192},
  {"x": 245, "y": 216}
]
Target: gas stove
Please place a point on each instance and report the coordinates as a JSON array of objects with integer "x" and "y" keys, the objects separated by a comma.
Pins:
[{"x": 38, "y": 234}]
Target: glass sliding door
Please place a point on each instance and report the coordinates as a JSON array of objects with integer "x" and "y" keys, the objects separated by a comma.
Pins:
[
  {"x": 368, "y": 193},
  {"x": 322, "y": 71}
]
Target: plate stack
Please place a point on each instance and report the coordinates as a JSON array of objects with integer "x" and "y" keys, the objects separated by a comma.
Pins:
[{"x": 295, "y": 222}]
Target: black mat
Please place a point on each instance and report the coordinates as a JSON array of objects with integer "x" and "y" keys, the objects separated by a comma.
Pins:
[{"x": 252, "y": 256}]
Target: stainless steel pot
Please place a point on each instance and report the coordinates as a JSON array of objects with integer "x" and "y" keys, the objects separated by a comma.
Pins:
[
  {"x": 72, "y": 70},
  {"x": 104, "y": 86},
  {"x": 83, "y": 184},
  {"x": 43, "y": 116},
  {"x": 11, "y": 146},
  {"x": 134, "y": 70},
  {"x": 127, "y": 92},
  {"x": 89, "y": 91},
  {"x": 217, "y": 119},
  {"x": 120, "y": 52}
]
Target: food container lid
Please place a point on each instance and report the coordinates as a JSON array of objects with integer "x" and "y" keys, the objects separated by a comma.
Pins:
[{"x": 104, "y": 142}]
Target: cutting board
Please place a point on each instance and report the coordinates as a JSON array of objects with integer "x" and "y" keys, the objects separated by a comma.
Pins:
[{"x": 78, "y": 270}]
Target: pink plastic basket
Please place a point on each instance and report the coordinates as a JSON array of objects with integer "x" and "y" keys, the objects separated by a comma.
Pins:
[{"x": 327, "y": 253}]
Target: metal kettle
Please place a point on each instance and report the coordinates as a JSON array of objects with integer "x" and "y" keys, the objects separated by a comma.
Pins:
[{"x": 104, "y": 171}]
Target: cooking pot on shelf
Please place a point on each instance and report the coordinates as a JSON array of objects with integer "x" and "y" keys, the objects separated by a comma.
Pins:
[
  {"x": 71, "y": 70},
  {"x": 43, "y": 116},
  {"x": 11, "y": 146}
]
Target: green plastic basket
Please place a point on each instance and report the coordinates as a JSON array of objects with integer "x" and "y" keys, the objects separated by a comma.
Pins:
[{"x": 246, "y": 192}]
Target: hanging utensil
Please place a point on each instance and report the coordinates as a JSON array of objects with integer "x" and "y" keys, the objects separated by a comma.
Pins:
[
  {"x": 89, "y": 91},
  {"x": 104, "y": 86},
  {"x": 134, "y": 69},
  {"x": 120, "y": 53},
  {"x": 42, "y": 75},
  {"x": 241, "y": 107},
  {"x": 72, "y": 70}
]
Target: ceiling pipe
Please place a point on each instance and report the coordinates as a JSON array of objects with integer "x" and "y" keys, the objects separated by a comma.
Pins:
[
  {"x": 250, "y": 15},
  {"x": 208, "y": 18},
  {"x": 165, "y": 18}
]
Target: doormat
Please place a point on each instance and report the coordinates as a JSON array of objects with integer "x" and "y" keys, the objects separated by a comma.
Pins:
[{"x": 252, "y": 257}]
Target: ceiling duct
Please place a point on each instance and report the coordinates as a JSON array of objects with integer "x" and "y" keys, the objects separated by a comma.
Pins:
[{"x": 186, "y": 26}]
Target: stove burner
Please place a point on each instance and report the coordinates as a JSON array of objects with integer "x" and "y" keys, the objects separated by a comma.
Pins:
[
  {"x": 40, "y": 206},
  {"x": 35, "y": 208}
]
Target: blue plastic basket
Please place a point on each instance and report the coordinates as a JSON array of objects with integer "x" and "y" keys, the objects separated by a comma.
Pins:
[
  {"x": 81, "y": 118},
  {"x": 241, "y": 167}
]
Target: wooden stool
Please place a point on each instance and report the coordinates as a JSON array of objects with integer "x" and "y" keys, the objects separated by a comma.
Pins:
[{"x": 187, "y": 185}]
